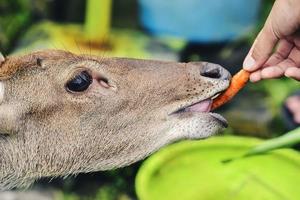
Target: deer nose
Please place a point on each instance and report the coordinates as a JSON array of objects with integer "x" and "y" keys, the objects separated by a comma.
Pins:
[{"x": 214, "y": 71}]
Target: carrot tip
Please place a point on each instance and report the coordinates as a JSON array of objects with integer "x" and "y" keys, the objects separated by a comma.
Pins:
[{"x": 238, "y": 81}]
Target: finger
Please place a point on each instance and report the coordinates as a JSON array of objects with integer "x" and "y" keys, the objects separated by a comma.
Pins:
[
  {"x": 297, "y": 118},
  {"x": 293, "y": 104},
  {"x": 255, "y": 76},
  {"x": 293, "y": 72},
  {"x": 282, "y": 52},
  {"x": 293, "y": 60},
  {"x": 261, "y": 49},
  {"x": 271, "y": 72},
  {"x": 294, "y": 56}
]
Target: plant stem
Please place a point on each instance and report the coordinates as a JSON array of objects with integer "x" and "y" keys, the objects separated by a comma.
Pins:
[
  {"x": 287, "y": 140},
  {"x": 98, "y": 20}
]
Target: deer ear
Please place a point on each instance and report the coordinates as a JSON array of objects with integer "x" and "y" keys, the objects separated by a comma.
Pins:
[
  {"x": 39, "y": 62},
  {"x": 2, "y": 59}
]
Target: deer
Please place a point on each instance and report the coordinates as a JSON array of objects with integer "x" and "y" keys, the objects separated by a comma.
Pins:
[{"x": 63, "y": 114}]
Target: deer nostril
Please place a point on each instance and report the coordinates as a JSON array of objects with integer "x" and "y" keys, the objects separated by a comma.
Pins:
[{"x": 211, "y": 73}]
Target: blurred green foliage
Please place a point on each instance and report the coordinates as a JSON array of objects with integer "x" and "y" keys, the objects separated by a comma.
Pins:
[
  {"x": 66, "y": 196},
  {"x": 15, "y": 15},
  {"x": 115, "y": 184}
]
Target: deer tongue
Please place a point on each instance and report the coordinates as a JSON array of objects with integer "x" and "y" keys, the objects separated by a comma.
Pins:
[{"x": 202, "y": 106}]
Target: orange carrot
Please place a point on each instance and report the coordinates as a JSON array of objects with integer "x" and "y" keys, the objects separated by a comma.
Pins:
[{"x": 238, "y": 81}]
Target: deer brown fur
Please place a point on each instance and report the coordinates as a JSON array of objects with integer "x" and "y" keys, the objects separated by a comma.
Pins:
[{"x": 130, "y": 109}]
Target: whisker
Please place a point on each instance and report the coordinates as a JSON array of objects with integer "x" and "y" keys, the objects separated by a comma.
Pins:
[
  {"x": 77, "y": 45},
  {"x": 90, "y": 47}
]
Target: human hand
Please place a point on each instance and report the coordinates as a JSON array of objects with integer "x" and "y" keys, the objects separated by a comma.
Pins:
[
  {"x": 293, "y": 105},
  {"x": 281, "y": 31}
]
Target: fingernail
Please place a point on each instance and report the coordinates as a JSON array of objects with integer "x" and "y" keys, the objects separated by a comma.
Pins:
[
  {"x": 255, "y": 78},
  {"x": 287, "y": 74},
  {"x": 249, "y": 62}
]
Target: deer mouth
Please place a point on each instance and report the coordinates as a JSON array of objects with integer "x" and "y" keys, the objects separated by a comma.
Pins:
[{"x": 203, "y": 106}]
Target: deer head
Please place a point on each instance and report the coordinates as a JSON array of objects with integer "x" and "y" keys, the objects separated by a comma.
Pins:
[{"x": 63, "y": 113}]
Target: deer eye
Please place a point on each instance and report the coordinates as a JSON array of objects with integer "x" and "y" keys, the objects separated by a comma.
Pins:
[{"x": 80, "y": 82}]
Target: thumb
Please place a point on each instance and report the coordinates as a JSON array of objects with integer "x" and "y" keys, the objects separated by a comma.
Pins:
[{"x": 261, "y": 49}]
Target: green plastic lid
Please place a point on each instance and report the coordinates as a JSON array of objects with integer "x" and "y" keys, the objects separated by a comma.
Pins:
[{"x": 193, "y": 170}]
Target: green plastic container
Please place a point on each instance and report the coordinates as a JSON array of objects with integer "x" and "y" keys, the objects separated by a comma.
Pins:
[{"x": 193, "y": 170}]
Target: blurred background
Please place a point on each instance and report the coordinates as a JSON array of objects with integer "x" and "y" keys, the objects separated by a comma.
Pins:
[{"x": 180, "y": 30}]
